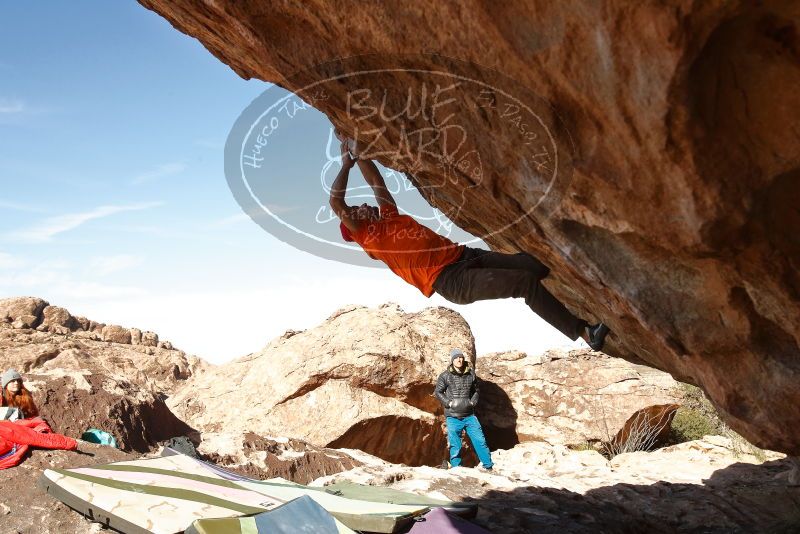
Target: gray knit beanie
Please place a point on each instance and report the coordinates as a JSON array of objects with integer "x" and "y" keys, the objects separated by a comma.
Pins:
[
  {"x": 455, "y": 353},
  {"x": 8, "y": 376}
]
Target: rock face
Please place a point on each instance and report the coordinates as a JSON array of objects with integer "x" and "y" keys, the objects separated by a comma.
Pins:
[
  {"x": 659, "y": 180},
  {"x": 82, "y": 378},
  {"x": 364, "y": 380},
  {"x": 261, "y": 457},
  {"x": 564, "y": 397},
  {"x": 699, "y": 486}
]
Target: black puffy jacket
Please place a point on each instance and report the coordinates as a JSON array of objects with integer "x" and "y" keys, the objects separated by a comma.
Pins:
[{"x": 458, "y": 392}]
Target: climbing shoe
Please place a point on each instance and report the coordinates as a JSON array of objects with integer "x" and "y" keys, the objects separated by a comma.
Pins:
[{"x": 597, "y": 335}]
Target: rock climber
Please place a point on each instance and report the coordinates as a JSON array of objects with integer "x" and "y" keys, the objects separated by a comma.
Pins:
[{"x": 433, "y": 263}]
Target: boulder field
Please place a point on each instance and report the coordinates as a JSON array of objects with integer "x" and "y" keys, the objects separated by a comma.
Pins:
[
  {"x": 364, "y": 379},
  {"x": 657, "y": 172},
  {"x": 337, "y": 401}
]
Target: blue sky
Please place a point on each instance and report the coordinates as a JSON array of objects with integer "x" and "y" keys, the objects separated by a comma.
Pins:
[{"x": 114, "y": 203}]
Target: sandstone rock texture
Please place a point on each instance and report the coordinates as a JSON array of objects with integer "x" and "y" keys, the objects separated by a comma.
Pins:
[
  {"x": 658, "y": 177},
  {"x": 698, "y": 486},
  {"x": 262, "y": 457},
  {"x": 564, "y": 397},
  {"x": 82, "y": 378},
  {"x": 364, "y": 380}
]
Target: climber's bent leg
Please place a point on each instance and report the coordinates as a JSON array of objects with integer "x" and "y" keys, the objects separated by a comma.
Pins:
[{"x": 467, "y": 281}]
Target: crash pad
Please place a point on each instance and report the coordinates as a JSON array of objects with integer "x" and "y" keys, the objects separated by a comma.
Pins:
[
  {"x": 355, "y": 513},
  {"x": 302, "y": 515},
  {"x": 165, "y": 495},
  {"x": 353, "y": 490},
  {"x": 438, "y": 521}
]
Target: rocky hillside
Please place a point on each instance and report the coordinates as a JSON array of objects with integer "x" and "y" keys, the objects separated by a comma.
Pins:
[
  {"x": 364, "y": 379},
  {"x": 647, "y": 153},
  {"x": 86, "y": 374}
]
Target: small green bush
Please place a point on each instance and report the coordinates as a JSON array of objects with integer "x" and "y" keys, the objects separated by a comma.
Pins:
[
  {"x": 690, "y": 424},
  {"x": 697, "y": 418}
]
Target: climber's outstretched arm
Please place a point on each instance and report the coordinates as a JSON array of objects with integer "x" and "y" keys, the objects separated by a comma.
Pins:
[
  {"x": 339, "y": 189},
  {"x": 373, "y": 177}
]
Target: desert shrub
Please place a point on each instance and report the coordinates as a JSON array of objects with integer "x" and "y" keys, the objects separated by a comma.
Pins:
[
  {"x": 740, "y": 446},
  {"x": 698, "y": 417},
  {"x": 640, "y": 433},
  {"x": 690, "y": 424}
]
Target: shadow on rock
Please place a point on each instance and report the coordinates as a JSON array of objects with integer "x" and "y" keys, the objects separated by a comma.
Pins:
[
  {"x": 741, "y": 498},
  {"x": 498, "y": 416}
]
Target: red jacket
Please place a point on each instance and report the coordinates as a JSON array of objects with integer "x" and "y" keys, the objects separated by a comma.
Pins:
[{"x": 17, "y": 436}]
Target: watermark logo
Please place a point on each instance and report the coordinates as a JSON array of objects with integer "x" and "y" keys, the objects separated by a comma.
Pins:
[{"x": 477, "y": 145}]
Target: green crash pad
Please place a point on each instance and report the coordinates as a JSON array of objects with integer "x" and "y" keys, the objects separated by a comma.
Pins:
[
  {"x": 166, "y": 495},
  {"x": 352, "y": 490},
  {"x": 300, "y": 515}
]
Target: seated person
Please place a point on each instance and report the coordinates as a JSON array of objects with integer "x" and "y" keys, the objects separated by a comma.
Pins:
[{"x": 16, "y": 395}]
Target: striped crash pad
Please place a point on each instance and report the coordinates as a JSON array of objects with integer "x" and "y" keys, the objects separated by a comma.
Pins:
[
  {"x": 302, "y": 515},
  {"x": 353, "y": 490},
  {"x": 165, "y": 495}
]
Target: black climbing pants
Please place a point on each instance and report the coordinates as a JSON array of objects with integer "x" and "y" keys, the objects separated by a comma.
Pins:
[{"x": 484, "y": 275}]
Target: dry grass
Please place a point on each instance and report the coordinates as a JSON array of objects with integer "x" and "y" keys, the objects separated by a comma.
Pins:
[{"x": 642, "y": 435}]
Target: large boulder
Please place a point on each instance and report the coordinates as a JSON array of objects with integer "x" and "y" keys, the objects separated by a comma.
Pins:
[
  {"x": 363, "y": 379},
  {"x": 565, "y": 397},
  {"x": 23, "y": 312},
  {"x": 116, "y": 334},
  {"x": 58, "y": 321},
  {"x": 655, "y": 171}
]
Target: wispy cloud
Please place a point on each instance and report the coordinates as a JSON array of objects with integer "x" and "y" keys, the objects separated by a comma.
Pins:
[
  {"x": 52, "y": 226},
  {"x": 11, "y": 106},
  {"x": 105, "y": 265},
  {"x": 277, "y": 209},
  {"x": 6, "y": 204},
  {"x": 57, "y": 279},
  {"x": 160, "y": 232},
  {"x": 162, "y": 171}
]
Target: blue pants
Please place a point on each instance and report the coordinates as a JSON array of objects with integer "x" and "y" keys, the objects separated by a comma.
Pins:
[{"x": 454, "y": 427}]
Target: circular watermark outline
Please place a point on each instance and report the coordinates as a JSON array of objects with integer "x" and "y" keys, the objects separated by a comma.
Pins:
[{"x": 246, "y": 127}]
